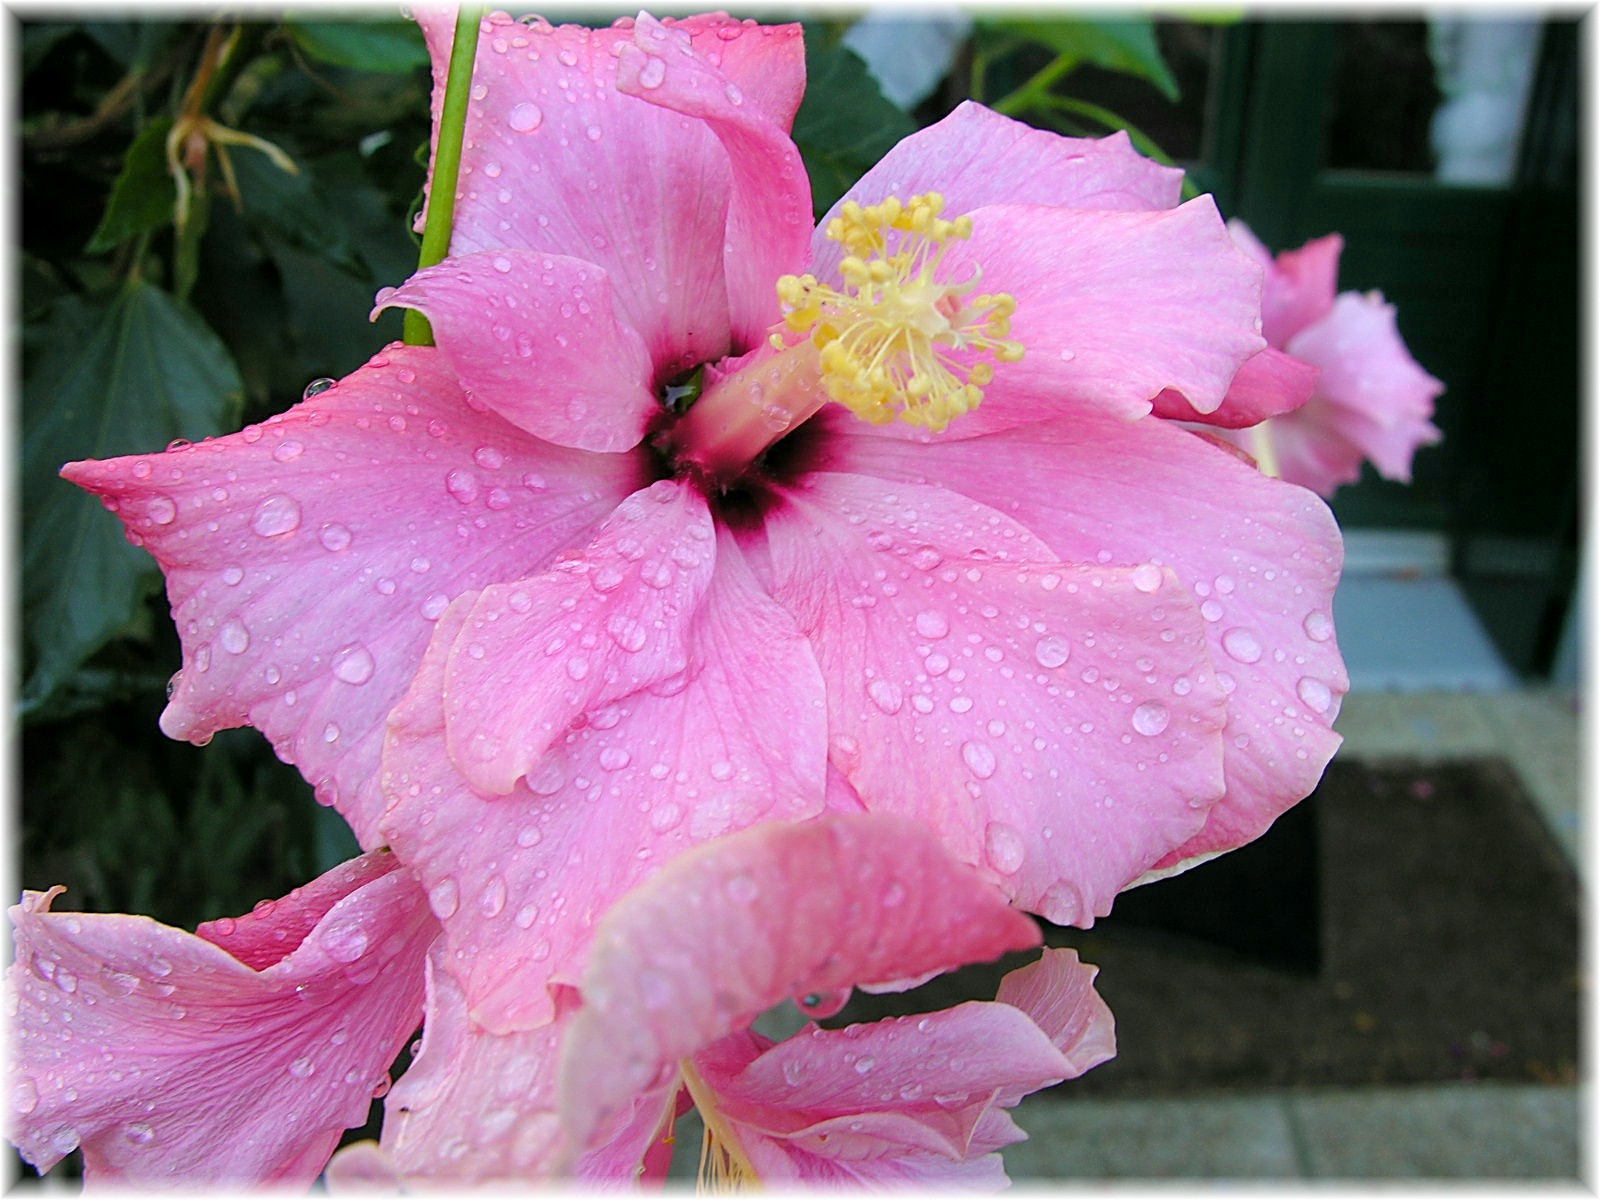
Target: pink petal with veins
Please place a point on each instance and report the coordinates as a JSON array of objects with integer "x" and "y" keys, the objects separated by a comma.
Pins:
[
  {"x": 307, "y": 557},
  {"x": 520, "y": 880},
  {"x": 533, "y": 338},
  {"x": 1057, "y": 725},
  {"x": 174, "y": 1064},
  {"x": 1260, "y": 556},
  {"x": 729, "y": 929},
  {"x": 601, "y": 624}
]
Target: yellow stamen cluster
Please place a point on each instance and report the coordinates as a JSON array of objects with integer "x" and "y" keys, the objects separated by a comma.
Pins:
[{"x": 888, "y": 342}]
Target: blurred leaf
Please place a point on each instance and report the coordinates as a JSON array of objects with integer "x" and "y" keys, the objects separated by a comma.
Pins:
[
  {"x": 845, "y": 124},
  {"x": 392, "y": 46},
  {"x": 132, "y": 43},
  {"x": 292, "y": 206},
  {"x": 39, "y": 40},
  {"x": 144, "y": 194},
  {"x": 111, "y": 380},
  {"x": 1127, "y": 45}
]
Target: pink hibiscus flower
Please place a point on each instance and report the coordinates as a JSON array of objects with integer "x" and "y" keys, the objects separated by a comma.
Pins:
[
  {"x": 235, "y": 1055},
  {"x": 684, "y": 963},
  {"x": 525, "y": 621},
  {"x": 1372, "y": 402}
]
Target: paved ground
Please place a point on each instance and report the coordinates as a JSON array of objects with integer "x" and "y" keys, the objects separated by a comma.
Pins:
[{"x": 1441, "y": 1132}]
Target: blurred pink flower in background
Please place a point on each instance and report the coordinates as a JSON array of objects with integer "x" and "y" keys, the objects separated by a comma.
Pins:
[{"x": 1372, "y": 402}]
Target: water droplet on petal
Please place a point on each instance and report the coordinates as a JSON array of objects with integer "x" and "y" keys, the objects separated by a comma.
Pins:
[
  {"x": 653, "y": 73},
  {"x": 1242, "y": 645},
  {"x": 1318, "y": 626},
  {"x": 979, "y": 758},
  {"x": 276, "y": 516},
  {"x": 1151, "y": 718},
  {"x": 1052, "y": 650},
  {"x": 1004, "y": 847},
  {"x": 334, "y": 536},
  {"x": 139, "y": 1133},
  {"x": 317, "y": 386},
  {"x": 24, "y": 1095},
  {"x": 1318, "y": 697},
  {"x": 1147, "y": 578},
  {"x": 288, "y": 450},
  {"x": 234, "y": 637},
  {"x": 819, "y": 1006},
  {"x": 932, "y": 624},
  {"x": 525, "y": 117},
  {"x": 443, "y": 898},
  {"x": 353, "y": 664},
  {"x": 493, "y": 901},
  {"x": 161, "y": 510},
  {"x": 886, "y": 696},
  {"x": 302, "y": 1067}
]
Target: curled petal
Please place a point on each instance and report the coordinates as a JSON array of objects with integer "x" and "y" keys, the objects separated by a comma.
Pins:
[
  {"x": 1269, "y": 384},
  {"x": 769, "y": 198},
  {"x": 547, "y": 121},
  {"x": 173, "y": 1063},
  {"x": 1300, "y": 284},
  {"x": 307, "y": 557},
  {"x": 520, "y": 880},
  {"x": 731, "y": 928},
  {"x": 533, "y": 337},
  {"x": 599, "y": 625}
]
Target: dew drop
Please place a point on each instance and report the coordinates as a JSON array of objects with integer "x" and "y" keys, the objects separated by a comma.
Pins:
[
  {"x": 302, "y": 1067},
  {"x": 234, "y": 637},
  {"x": 139, "y": 1133},
  {"x": 1242, "y": 645},
  {"x": 980, "y": 760},
  {"x": 1147, "y": 578},
  {"x": 276, "y": 515},
  {"x": 316, "y": 387},
  {"x": 1318, "y": 626},
  {"x": 353, "y": 664},
  {"x": 462, "y": 484},
  {"x": 288, "y": 450},
  {"x": 334, "y": 536},
  {"x": 1211, "y": 610},
  {"x": 614, "y": 758},
  {"x": 653, "y": 73},
  {"x": 886, "y": 696},
  {"x": 1151, "y": 718},
  {"x": 525, "y": 117},
  {"x": 819, "y": 1006},
  {"x": 493, "y": 901},
  {"x": 161, "y": 510},
  {"x": 1052, "y": 650},
  {"x": 1004, "y": 847},
  {"x": 1316, "y": 694},
  {"x": 443, "y": 898},
  {"x": 931, "y": 623}
]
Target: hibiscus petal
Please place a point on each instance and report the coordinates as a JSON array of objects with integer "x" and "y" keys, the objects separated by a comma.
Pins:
[
  {"x": 901, "y": 1084},
  {"x": 1262, "y": 557},
  {"x": 769, "y": 200},
  {"x": 307, "y": 557},
  {"x": 601, "y": 624},
  {"x": 557, "y": 160},
  {"x": 534, "y": 338},
  {"x": 1367, "y": 371},
  {"x": 975, "y": 157},
  {"x": 171, "y": 1062},
  {"x": 1057, "y": 992},
  {"x": 1269, "y": 384},
  {"x": 520, "y": 880},
  {"x": 1058, "y": 725},
  {"x": 1299, "y": 286},
  {"x": 727, "y": 930},
  {"x": 1113, "y": 309}
]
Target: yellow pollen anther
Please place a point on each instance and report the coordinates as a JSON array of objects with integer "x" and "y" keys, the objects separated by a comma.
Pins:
[{"x": 896, "y": 343}]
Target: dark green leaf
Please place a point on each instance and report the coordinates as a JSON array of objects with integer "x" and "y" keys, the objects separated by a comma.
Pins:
[
  {"x": 1127, "y": 45},
  {"x": 845, "y": 124},
  {"x": 293, "y": 207},
  {"x": 111, "y": 380},
  {"x": 143, "y": 196},
  {"x": 393, "y": 46}
]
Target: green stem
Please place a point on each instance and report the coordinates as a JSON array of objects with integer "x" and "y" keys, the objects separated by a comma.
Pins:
[
  {"x": 447, "y": 160},
  {"x": 1035, "y": 89}
]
